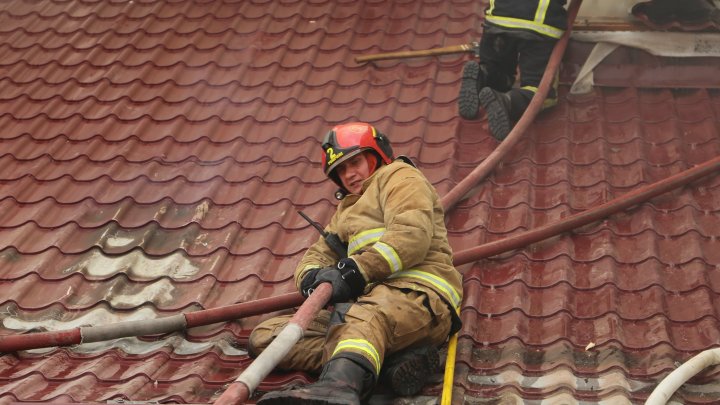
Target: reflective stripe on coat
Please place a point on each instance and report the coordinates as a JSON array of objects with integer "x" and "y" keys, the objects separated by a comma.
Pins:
[
  {"x": 395, "y": 232},
  {"x": 544, "y": 17}
]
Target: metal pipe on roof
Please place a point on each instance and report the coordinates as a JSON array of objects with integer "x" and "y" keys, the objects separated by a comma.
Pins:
[
  {"x": 13, "y": 343},
  {"x": 462, "y": 189}
]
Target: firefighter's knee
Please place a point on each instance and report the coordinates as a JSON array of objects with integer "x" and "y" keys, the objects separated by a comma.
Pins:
[{"x": 259, "y": 339}]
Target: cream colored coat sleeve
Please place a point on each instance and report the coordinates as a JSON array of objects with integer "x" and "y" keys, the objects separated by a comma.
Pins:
[{"x": 406, "y": 203}]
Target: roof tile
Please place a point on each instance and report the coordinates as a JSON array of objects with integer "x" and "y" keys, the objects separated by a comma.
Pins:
[{"x": 155, "y": 154}]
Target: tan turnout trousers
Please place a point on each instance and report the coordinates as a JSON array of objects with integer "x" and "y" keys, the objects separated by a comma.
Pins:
[{"x": 385, "y": 320}]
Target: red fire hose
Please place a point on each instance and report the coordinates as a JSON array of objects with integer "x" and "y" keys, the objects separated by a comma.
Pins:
[
  {"x": 613, "y": 206},
  {"x": 89, "y": 334},
  {"x": 11, "y": 343},
  {"x": 139, "y": 328},
  {"x": 239, "y": 391},
  {"x": 488, "y": 165}
]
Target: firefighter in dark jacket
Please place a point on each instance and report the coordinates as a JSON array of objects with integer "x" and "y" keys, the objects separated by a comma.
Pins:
[
  {"x": 516, "y": 33},
  {"x": 396, "y": 295}
]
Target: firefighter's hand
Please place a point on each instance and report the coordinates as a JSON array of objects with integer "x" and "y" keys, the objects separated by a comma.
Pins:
[
  {"x": 307, "y": 284},
  {"x": 346, "y": 280}
]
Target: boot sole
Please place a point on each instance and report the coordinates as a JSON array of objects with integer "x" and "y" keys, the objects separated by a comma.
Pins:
[
  {"x": 498, "y": 118},
  {"x": 468, "y": 102},
  {"x": 411, "y": 376}
]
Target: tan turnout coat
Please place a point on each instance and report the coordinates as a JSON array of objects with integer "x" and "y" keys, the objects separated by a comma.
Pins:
[{"x": 396, "y": 234}]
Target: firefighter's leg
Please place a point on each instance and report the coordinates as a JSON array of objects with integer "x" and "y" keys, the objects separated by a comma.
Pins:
[
  {"x": 345, "y": 380},
  {"x": 384, "y": 321},
  {"x": 352, "y": 362},
  {"x": 406, "y": 325},
  {"x": 499, "y": 61},
  {"x": 496, "y": 69},
  {"x": 505, "y": 108},
  {"x": 413, "y": 357},
  {"x": 307, "y": 353},
  {"x": 534, "y": 57}
]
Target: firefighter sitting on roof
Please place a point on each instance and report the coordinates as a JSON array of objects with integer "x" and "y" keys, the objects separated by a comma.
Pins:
[
  {"x": 516, "y": 33},
  {"x": 396, "y": 295}
]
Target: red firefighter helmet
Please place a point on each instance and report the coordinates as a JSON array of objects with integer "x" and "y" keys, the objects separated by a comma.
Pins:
[{"x": 347, "y": 140}]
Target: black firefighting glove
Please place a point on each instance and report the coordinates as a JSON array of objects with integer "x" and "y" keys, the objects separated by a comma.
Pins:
[
  {"x": 308, "y": 281},
  {"x": 346, "y": 279}
]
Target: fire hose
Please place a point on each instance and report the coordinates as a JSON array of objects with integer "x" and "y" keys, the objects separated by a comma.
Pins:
[
  {"x": 667, "y": 387},
  {"x": 488, "y": 165},
  {"x": 100, "y": 333},
  {"x": 251, "y": 377},
  {"x": 11, "y": 343},
  {"x": 239, "y": 391}
]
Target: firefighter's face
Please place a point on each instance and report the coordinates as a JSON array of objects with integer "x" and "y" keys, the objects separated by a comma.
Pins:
[{"x": 353, "y": 173}]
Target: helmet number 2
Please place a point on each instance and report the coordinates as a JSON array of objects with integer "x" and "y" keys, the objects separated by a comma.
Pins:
[{"x": 332, "y": 156}]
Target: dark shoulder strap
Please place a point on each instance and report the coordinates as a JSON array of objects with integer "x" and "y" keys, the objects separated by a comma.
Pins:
[{"x": 406, "y": 159}]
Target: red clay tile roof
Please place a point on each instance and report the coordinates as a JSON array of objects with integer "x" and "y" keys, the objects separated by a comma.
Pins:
[{"x": 154, "y": 154}]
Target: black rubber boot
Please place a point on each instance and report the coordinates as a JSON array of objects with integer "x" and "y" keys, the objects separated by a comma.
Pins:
[
  {"x": 473, "y": 79},
  {"x": 342, "y": 382},
  {"x": 406, "y": 372},
  {"x": 497, "y": 108}
]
